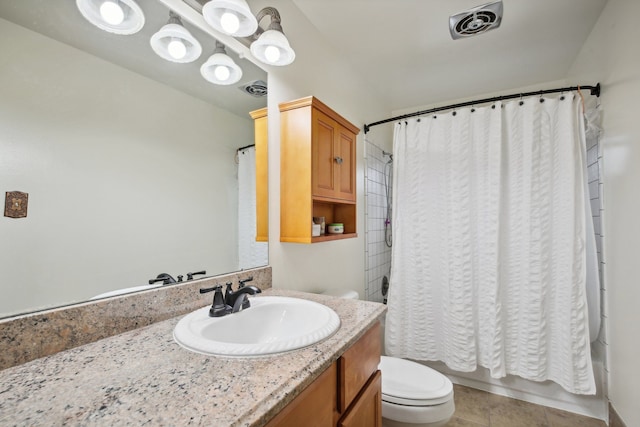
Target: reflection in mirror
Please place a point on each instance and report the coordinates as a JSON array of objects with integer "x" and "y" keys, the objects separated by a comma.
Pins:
[{"x": 130, "y": 162}]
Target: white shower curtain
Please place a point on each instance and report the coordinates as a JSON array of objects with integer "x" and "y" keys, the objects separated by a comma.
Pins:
[
  {"x": 251, "y": 253},
  {"x": 488, "y": 255}
]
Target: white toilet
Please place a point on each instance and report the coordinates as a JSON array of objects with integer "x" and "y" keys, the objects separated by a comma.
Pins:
[{"x": 413, "y": 395}]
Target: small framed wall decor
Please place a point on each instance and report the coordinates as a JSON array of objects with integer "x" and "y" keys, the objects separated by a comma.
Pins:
[{"x": 15, "y": 204}]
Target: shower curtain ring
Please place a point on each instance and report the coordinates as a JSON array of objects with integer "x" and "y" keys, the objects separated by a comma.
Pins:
[{"x": 541, "y": 98}]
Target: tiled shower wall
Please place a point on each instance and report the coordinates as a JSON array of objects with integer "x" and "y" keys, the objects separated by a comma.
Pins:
[
  {"x": 377, "y": 254},
  {"x": 595, "y": 174}
]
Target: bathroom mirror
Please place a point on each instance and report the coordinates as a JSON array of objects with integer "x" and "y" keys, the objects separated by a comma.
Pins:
[{"x": 129, "y": 161}]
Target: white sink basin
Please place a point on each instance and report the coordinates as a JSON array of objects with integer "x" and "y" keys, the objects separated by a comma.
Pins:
[{"x": 271, "y": 325}]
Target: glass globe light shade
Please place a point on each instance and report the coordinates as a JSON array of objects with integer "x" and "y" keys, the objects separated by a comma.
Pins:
[
  {"x": 221, "y": 70},
  {"x": 175, "y": 43},
  {"x": 177, "y": 48},
  {"x": 112, "y": 12},
  {"x": 115, "y": 16},
  {"x": 230, "y": 22},
  {"x": 222, "y": 16},
  {"x": 272, "y": 48}
]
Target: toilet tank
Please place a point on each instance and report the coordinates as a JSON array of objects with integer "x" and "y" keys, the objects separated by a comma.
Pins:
[{"x": 342, "y": 293}]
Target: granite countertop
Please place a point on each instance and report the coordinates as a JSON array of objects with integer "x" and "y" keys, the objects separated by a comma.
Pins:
[{"x": 143, "y": 377}]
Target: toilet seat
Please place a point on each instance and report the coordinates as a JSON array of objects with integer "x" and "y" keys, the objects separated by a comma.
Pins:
[{"x": 409, "y": 383}]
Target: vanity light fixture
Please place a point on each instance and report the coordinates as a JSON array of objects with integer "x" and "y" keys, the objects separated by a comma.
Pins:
[
  {"x": 272, "y": 46},
  {"x": 220, "y": 68},
  {"x": 231, "y": 17},
  {"x": 115, "y": 16},
  {"x": 234, "y": 18},
  {"x": 175, "y": 43}
]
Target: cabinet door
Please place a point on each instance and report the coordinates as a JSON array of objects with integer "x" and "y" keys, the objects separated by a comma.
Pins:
[
  {"x": 323, "y": 155},
  {"x": 357, "y": 365},
  {"x": 262, "y": 175},
  {"x": 314, "y": 407},
  {"x": 345, "y": 173},
  {"x": 366, "y": 410},
  {"x": 334, "y": 159}
]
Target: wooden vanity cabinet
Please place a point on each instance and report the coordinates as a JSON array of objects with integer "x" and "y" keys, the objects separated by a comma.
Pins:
[
  {"x": 360, "y": 386},
  {"x": 316, "y": 406},
  {"x": 262, "y": 174},
  {"x": 367, "y": 410},
  {"x": 347, "y": 394},
  {"x": 317, "y": 170}
]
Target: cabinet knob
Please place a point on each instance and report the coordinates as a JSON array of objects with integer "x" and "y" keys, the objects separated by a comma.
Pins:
[{"x": 338, "y": 160}]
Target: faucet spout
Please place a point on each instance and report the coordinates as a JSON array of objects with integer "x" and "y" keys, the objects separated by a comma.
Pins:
[
  {"x": 165, "y": 278},
  {"x": 240, "y": 303},
  {"x": 232, "y": 297}
]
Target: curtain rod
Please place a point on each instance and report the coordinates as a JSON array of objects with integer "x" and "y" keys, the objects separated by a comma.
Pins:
[
  {"x": 245, "y": 147},
  {"x": 595, "y": 90}
]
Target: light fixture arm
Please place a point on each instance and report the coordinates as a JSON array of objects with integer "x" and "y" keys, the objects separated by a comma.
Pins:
[
  {"x": 174, "y": 18},
  {"x": 235, "y": 18},
  {"x": 220, "y": 48},
  {"x": 273, "y": 13}
]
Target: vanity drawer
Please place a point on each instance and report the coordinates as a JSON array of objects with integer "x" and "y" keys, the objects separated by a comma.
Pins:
[{"x": 357, "y": 365}]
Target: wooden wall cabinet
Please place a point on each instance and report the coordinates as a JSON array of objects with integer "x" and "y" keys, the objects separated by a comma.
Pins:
[
  {"x": 262, "y": 174},
  {"x": 348, "y": 394},
  {"x": 317, "y": 170}
]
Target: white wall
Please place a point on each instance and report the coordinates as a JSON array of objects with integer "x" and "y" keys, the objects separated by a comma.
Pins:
[
  {"x": 317, "y": 71},
  {"x": 610, "y": 56},
  {"x": 127, "y": 178}
]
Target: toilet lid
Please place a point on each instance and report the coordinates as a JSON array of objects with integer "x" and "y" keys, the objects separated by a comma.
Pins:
[{"x": 410, "y": 383}]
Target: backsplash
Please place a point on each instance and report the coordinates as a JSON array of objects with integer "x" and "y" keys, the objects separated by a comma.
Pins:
[{"x": 31, "y": 336}]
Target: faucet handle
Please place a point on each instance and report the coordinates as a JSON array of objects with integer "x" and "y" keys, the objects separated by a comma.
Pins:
[
  {"x": 218, "y": 308},
  {"x": 242, "y": 282},
  {"x": 228, "y": 295},
  {"x": 190, "y": 275}
]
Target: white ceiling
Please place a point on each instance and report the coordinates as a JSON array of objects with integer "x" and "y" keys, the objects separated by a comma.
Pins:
[{"x": 404, "y": 50}]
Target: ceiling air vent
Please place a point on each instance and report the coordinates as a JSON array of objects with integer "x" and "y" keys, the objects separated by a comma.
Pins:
[
  {"x": 475, "y": 21},
  {"x": 257, "y": 88}
]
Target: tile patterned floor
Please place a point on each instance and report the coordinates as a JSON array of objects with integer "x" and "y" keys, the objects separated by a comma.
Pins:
[{"x": 476, "y": 408}]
